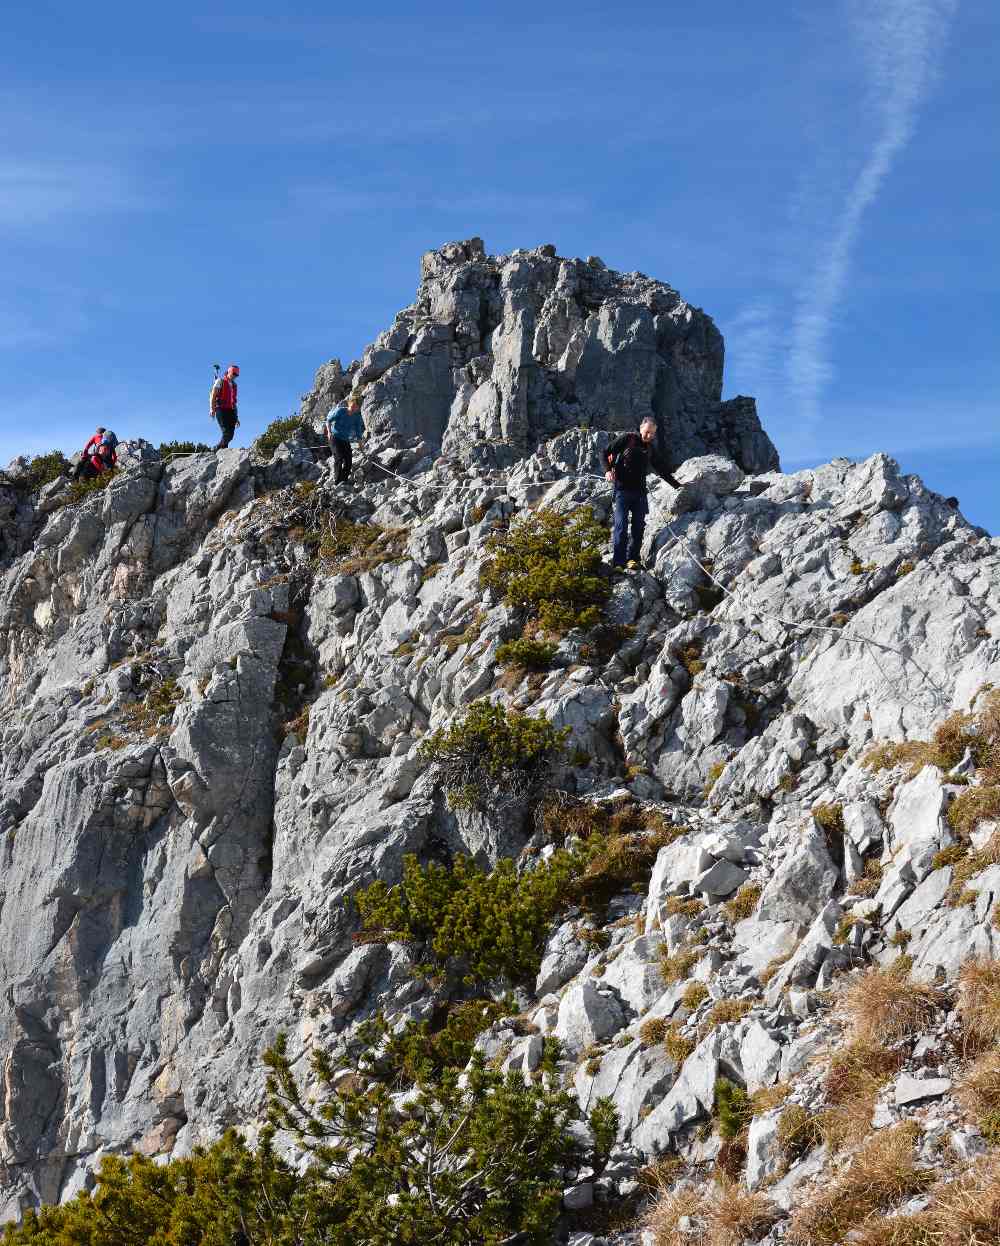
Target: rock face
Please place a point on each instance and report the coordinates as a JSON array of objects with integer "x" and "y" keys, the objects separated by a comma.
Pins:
[
  {"x": 499, "y": 353},
  {"x": 181, "y": 840}
]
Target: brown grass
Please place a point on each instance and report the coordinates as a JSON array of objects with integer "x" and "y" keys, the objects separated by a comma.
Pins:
[
  {"x": 972, "y": 806},
  {"x": 724, "y": 1011},
  {"x": 728, "y": 1215},
  {"x": 743, "y": 903},
  {"x": 695, "y": 993},
  {"x": 895, "y": 1231},
  {"x": 664, "y": 1220},
  {"x": 883, "y": 1006},
  {"x": 653, "y": 1031},
  {"x": 677, "y": 1046},
  {"x": 979, "y": 1090},
  {"x": 880, "y": 1175},
  {"x": 854, "y": 1079},
  {"x": 733, "y": 1215},
  {"x": 979, "y": 1000},
  {"x": 799, "y": 1130},
  {"x": 769, "y": 1097},
  {"x": 772, "y": 968},
  {"x": 870, "y": 880},
  {"x": 676, "y": 967}
]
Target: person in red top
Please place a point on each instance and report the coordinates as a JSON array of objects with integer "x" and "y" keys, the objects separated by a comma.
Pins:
[
  {"x": 222, "y": 404},
  {"x": 98, "y": 456}
]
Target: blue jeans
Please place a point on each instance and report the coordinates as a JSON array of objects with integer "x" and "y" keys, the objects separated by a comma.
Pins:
[{"x": 628, "y": 502}]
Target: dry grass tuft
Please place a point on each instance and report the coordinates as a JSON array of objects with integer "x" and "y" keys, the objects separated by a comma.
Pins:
[
  {"x": 870, "y": 880},
  {"x": 884, "y": 1006},
  {"x": 664, "y": 1220},
  {"x": 769, "y": 1097},
  {"x": 677, "y": 1046},
  {"x": 652, "y": 1031},
  {"x": 883, "y": 1172},
  {"x": 743, "y": 903},
  {"x": 695, "y": 994},
  {"x": 733, "y": 1215},
  {"x": 914, "y": 1230},
  {"x": 724, "y": 1011},
  {"x": 725, "y": 1215},
  {"x": 798, "y": 1132},
  {"x": 979, "y": 1000},
  {"x": 772, "y": 968},
  {"x": 979, "y": 1091},
  {"x": 854, "y": 1079},
  {"x": 676, "y": 967}
]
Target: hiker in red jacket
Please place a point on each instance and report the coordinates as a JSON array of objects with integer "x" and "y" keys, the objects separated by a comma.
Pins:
[
  {"x": 222, "y": 404},
  {"x": 98, "y": 455}
]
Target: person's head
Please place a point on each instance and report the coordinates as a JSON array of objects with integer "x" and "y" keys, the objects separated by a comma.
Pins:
[
  {"x": 354, "y": 402},
  {"x": 99, "y": 431},
  {"x": 233, "y": 371},
  {"x": 647, "y": 430}
]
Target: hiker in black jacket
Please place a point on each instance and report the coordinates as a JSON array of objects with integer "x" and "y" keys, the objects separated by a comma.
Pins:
[{"x": 629, "y": 459}]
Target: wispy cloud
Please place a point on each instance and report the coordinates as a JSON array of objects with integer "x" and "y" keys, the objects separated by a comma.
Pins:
[
  {"x": 333, "y": 198},
  {"x": 901, "y": 42},
  {"x": 38, "y": 192}
]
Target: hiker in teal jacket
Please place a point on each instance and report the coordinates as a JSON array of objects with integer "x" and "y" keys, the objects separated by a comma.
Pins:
[{"x": 344, "y": 425}]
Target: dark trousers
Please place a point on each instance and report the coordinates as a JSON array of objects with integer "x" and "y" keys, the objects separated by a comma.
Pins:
[
  {"x": 342, "y": 460},
  {"x": 84, "y": 470},
  {"x": 227, "y": 422},
  {"x": 634, "y": 503}
]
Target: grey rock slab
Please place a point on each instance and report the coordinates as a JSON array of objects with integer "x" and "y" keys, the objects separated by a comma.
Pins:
[
  {"x": 720, "y": 879},
  {"x": 691, "y": 1098},
  {"x": 564, "y": 956},
  {"x": 587, "y": 1015},
  {"x": 634, "y": 973},
  {"x": 809, "y": 957},
  {"x": 909, "y": 1090},
  {"x": 802, "y": 883},
  {"x": 760, "y": 1057},
  {"x": 763, "y": 1150}
]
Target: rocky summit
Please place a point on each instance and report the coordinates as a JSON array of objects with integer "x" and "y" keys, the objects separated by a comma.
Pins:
[{"x": 229, "y": 690}]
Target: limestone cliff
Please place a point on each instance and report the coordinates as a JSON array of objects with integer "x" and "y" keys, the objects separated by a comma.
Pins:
[{"x": 180, "y": 839}]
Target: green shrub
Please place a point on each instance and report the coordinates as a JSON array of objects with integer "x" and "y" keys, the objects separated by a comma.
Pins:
[
  {"x": 605, "y": 1122},
  {"x": 216, "y": 1196},
  {"x": 732, "y": 1108},
  {"x": 550, "y": 565},
  {"x": 527, "y": 654},
  {"x": 478, "y": 1159},
  {"x": 425, "y": 1049},
  {"x": 42, "y": 470},
  {"x": 81, "y": 490},
  {"x": 170, "y": 448},
  {"x": 348, "y": 547},
  {"x": 275, "y": 433},
  {"x": 494, "y": 756},
  {"x": 491, "y": 925}
]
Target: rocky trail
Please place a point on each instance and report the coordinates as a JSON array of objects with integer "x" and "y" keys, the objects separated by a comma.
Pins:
[{"x": 216, "y": 676}]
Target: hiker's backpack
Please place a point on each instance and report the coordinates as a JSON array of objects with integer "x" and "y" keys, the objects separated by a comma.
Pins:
[{"x": 109, "y": 439}]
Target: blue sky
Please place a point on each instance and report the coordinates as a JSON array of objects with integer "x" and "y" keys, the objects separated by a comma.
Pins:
[{"x": 186, "y": 183}]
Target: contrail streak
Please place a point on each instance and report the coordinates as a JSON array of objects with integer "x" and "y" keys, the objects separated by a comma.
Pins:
[{"x": 902, "y": 42}]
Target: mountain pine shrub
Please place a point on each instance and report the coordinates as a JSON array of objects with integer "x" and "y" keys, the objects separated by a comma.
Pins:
[
  {"x": 275, "y": 433},
  {"x": 494, "y": 756},
  {"x": 472, "y": 1160},
  {"x": 42, "y": 470},
  {"x": 549, "y": 565}
]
